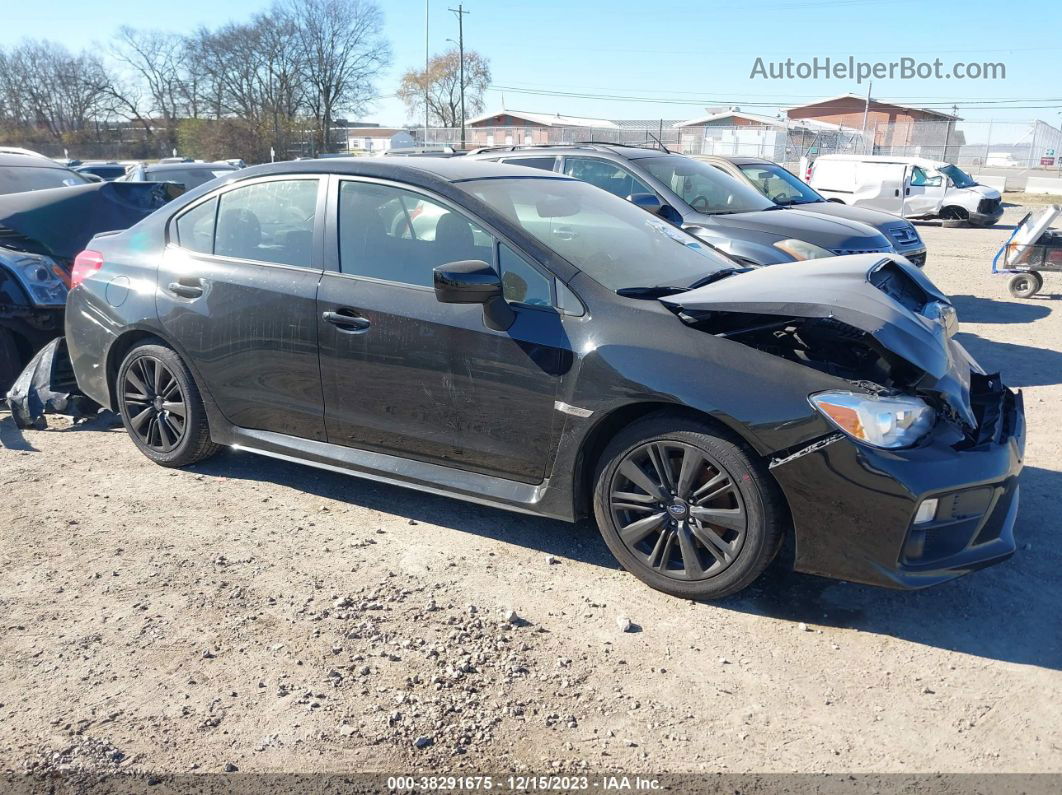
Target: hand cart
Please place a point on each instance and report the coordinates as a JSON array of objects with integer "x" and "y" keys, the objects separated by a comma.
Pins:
[{"x": 1032, "y": 249}]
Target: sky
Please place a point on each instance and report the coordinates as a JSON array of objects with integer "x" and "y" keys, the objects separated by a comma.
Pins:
[{"x": 651, "y": 60}]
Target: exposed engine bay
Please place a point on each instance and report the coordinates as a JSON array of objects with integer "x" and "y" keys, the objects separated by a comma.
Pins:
[{"x": 875, "y": 322}]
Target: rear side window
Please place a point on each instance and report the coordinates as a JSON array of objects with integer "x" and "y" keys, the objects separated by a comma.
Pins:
[
  {"x": 268, "y": 222},
  {"x": 544, "y": 163},
  {"x": 195, "y": 229},
  {"x": 394, "y": 234}
]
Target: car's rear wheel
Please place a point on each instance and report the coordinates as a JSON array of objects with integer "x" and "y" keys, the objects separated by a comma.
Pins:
[
  {"x": 161, "y": 407},
  {"x": 686, "y": 509}
]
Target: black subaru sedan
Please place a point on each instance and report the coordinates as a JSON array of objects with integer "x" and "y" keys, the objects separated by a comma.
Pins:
[{"x": 527, "y": 341}]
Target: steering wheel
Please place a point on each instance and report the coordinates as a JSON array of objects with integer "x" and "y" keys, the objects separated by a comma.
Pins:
[{"x": 704, "y": 203}]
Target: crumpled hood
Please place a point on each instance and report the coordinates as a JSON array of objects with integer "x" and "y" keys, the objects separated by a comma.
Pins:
[
  {"x": 881, "y": 295},
  {"x": 984, "y": 190},
  {"x": 830, "y": 233},
  {"x": 60, "y": 222}
]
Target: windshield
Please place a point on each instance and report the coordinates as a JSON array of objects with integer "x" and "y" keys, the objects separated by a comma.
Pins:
[
  {"x": 612, "y": 241},
  {"x": 189, "y": 177},
  {"x": 779, "y": 185},
  {"x": 16, "y": 179},
  {"x": 704, "y": 188},
  {"x": 958, "y": 176}
]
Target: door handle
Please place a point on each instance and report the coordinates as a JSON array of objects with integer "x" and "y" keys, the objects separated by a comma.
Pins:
[
  {"x": 349, "y": 323},
  {"x": 187, "y": 288}
]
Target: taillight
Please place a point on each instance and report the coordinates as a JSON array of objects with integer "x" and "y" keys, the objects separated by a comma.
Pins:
[{"x": 85, "y": 264}]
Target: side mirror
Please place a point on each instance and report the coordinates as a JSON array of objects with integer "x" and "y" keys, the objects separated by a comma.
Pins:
[
  {"x": 649, "y": 202},
  {"x": 473, "y": 281}
]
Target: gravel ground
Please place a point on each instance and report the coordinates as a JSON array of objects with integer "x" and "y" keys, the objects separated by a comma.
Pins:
[{"x": 256, "y": 615}]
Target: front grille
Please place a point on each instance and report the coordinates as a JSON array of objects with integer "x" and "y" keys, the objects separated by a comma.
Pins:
[
  {"x": 843, "y": 252},
  {"x": 903, "y": 235},
  {"x": 988, "y": 206}
]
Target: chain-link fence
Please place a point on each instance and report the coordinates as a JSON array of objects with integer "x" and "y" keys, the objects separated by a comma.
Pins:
[{"x": 1022, "y": 145}]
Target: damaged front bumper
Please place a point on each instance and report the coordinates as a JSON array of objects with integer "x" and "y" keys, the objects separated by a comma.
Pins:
[{"x": 854, "y": 506}]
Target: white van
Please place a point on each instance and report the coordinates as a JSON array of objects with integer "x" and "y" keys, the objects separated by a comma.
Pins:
[{"x": 913, "y": 187}]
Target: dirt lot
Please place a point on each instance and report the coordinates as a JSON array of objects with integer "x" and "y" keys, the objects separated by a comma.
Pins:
[{"x": 270, "y": 617}]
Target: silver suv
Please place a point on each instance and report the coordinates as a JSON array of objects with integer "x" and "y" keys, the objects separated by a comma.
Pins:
[{"x": 726, "y": 213}]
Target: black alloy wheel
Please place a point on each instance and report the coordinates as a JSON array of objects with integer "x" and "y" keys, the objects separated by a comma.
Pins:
[
  {"x": 154, "y": 402},
  {"x": 678, "y": 510}
]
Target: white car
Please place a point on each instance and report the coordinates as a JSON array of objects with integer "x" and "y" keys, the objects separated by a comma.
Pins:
[{"x": 914, "y": 187}]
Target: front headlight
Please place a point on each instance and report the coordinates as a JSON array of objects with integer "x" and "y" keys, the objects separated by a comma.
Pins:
[
  {"x": 801, "y": 249},
  {"x": 39, "y": 275},
  {"x": 896, "y": 421}
]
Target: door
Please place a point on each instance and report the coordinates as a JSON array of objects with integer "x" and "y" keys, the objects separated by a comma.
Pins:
[
  {"x": 237, "y": 291},
  {"x": 406, "y": 375},
  {"x": 924, "y": 192}
]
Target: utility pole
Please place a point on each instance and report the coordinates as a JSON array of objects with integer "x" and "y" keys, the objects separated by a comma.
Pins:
[
  {"x": 866, "y": 110},
  {"x": 424, "y": 141},
  {"x": 460, "y": 12}
]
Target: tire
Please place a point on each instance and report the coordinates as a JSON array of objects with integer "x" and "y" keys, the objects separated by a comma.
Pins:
[
  {"x": 954, "y": 217},
  {"x": 723, "y": 484},
  {"x": 10, "y": 362},
  {"x": 1025, "y": 285},
  {"x": 153, "y": 386}
]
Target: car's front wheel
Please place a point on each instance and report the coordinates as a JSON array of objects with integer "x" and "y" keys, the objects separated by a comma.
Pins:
[
  {"x": 686, "y": 509},
  {"x": 161, "y": 407}
]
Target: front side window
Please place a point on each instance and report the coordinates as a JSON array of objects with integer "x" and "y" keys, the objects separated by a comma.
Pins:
[
  {"x": 611, "y": 240},
  {"x": 779, "y": 185},
  {"x": 605, "y": 175},
  {"x": 920, "y": 179},
  {"x": 401, "y": 236},
  {"x": 268, "y": 222},
  {"x": 704, "y": 188}
]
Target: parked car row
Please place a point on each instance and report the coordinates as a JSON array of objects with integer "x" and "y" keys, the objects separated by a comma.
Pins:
[{"x": 510, "y": 334}]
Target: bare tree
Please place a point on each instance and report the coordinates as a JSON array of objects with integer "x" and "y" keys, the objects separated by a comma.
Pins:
[
  {"x": 156, "y": 59},
  {"x": 440, "y": 85},
  {"x": 343, "y": 53}
]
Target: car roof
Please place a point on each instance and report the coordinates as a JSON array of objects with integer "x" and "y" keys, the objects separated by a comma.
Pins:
[
  {"x": 737, "y": 160},
  {"x": 28, "y": 160},
  {"x": 413, "y": 169},
  {"x": 909, "y": 160},
  {"x": 187, "y": 166},
  {"x": 619, "y": 150}
]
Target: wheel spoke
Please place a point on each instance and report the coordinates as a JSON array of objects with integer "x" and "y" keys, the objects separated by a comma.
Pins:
[
  {"x": 157, "y": 376},
  {"x": 638, "y": 530},
  {"x": 691, "y": 561},
  {"x": 713, "y": 488},
  {"x": 719, "y": 549},
  {"x": 164, "y": 431},
  {"x": 730, "y": 518},
  {"x": 635, "y": 475},
  {"x": 175, "y": 408},
  {"x": 661, "y": 553},
  {"x": 691, "y": 464},
  {"x": 137, "y": 422},
  {"x": 137, "y": 382},
  {"x": 658, "y": 454}
]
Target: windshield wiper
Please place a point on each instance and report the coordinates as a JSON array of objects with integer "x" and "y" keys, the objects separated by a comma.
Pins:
[
  {"x": 660, "y": 290},
  {"x": 714, "y": 277}
]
